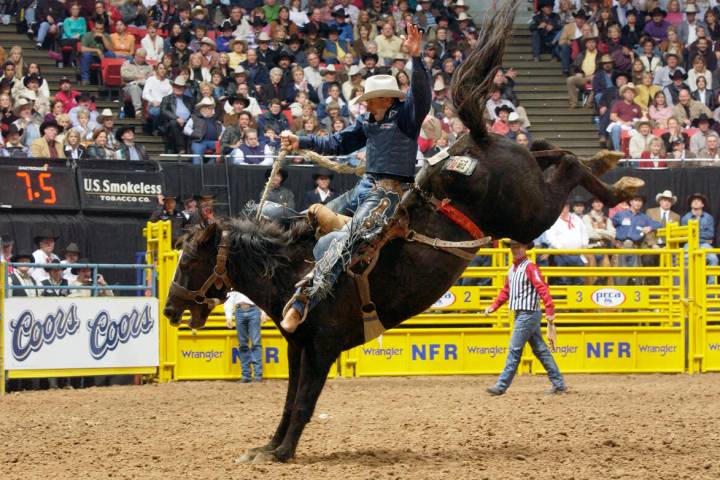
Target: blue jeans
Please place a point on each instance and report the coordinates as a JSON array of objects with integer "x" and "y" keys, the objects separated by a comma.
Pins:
[
  {"x": 329, "y": 251},
  {"x": 86, "y": 59},
  {"x": 527, "y": 330},
  {"x": 615, "y": 135},
  {"x": 154, "y": 117},
  {"x": 42, "y": 31},
  {"x": 563, "y": 53},
  {"x": 569, "y": 261},
  {"x": 542, "y": 42},
  {"x": 348, "y": 202},
  {"x": 198, "y": 149},
  {"x": 30, "y": 17},
  {"x": 247, "y": 325}
]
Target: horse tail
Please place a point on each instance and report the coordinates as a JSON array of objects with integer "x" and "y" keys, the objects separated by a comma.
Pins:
[{"x": 473, "y": 79}]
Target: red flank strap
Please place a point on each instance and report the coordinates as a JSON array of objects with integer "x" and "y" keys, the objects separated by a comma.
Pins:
[{"x": 459, "y": 218}]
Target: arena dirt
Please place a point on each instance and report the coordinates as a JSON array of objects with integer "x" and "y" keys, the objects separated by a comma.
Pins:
[{"x": 639, "y": 427}]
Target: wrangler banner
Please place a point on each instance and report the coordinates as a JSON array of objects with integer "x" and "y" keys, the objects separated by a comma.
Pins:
[{"x": 50, "y": 333}]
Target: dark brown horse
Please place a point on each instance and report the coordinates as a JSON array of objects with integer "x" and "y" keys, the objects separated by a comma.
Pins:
[{"x": 509, "y": 194}]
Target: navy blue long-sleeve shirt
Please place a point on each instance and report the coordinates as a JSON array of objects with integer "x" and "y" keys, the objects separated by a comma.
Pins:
[{"x": 409, "y": 118}]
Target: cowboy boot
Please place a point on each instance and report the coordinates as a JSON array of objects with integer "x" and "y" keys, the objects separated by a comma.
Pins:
[
  {"x": 296, "y": 309},
  {"x": 291, "y": 320}
]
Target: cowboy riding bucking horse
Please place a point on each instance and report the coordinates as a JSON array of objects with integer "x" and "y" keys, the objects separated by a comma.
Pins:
[{"x": 389, "y": 130}]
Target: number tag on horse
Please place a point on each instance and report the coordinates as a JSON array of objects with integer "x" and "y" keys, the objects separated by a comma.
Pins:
[{"x": 463, "y": 165}]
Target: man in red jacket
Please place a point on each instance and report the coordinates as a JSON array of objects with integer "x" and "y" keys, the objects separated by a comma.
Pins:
[{"x": 524, "y": 287}]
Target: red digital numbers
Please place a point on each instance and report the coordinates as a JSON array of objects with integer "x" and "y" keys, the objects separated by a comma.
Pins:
[
  {"x": 28, "y": 184},
  {"x": 45, "y": 191},
  {"x": 46, "y": 188}
]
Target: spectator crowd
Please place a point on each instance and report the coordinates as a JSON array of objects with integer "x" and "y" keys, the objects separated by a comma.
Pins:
[
  {"x": 649, "y": 70},
  {"x": 225, "y": 78},
  {"x": 629, "y": 225}
]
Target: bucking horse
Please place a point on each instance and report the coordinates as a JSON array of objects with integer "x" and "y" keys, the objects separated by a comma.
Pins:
[{"x": 497, "y": 187}]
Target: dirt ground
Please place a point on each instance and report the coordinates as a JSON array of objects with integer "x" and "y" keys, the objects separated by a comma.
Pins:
[{"x": 640, "y": 427}]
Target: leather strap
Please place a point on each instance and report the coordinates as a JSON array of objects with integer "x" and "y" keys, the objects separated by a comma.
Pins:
[
  {"x": 453, "y": 248},
  {"x": 460, "y": 219},
  {"x": 219, "y": 277}
]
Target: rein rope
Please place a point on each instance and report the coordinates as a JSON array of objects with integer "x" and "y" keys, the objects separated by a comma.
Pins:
[
  {"x": 443, "y": 207},
  {"x": 312, "y": 157},
  {"x": 277, "y": 164}
]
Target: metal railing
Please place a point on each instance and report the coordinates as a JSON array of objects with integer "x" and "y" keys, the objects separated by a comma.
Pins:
[
  {"x": 94, "y": 287},
  {"x": 671, "y": 162},
  {"x": 289, "y": 158}
]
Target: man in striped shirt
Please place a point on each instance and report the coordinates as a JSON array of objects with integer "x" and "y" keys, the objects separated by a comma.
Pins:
[{"x": 524, "y": 287}]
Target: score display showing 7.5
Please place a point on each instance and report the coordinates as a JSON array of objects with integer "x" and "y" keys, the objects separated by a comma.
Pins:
[
  {"x": 49, "y": 197},
  {"x": 38, "y": 187}
]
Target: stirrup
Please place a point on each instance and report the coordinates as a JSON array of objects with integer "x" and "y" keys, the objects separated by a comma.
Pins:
[{"x": 298, "y": 297}]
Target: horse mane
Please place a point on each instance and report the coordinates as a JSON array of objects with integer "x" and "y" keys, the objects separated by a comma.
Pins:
[
  {"x": 473, "y": 79},
  {"x": 266, "y": 246}
]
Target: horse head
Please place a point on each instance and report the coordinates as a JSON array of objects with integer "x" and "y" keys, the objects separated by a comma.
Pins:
[
  {"x": 261, "y": 259},
  {"x": 201, "y": 281}
]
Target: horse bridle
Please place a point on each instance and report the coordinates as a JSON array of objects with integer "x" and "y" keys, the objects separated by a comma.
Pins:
[{"x": 218, "y": 277}]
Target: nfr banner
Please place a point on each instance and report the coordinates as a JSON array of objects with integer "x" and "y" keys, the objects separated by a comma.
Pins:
[
  {"x": 129, "y": 186},
  {"x": 51, "y": 333}
]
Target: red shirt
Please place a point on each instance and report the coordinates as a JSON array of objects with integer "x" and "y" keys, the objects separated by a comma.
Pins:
[
  {"x": 500, "y": 127},
  {"x": 532, "y": 272},
  {"x": 67, "y": 99},
  {"x": 650, "y": 163},
  {"x": 626, "y": 112}
]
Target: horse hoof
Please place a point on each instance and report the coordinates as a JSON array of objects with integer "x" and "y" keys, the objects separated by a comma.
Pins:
[
  {"x": 603, "y": 161},
  {"x": 626, "y": 187},
  {"x": 247, "y": 457},
  {"x": 264, "y": 457}
]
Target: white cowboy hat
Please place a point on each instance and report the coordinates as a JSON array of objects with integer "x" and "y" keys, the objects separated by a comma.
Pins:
[
  {"x": 20, "y": 104},
  {"x": 640, "y": 123},
  {"x": 666, "y": 194},
  {"x": 208, "y": 41},
  {"x": 106, "y": 113},
  {"x": 380, "y": 86},
  {"x": 463, "y": 16},
  {"x": 205, "y": 102},
  {"x": 355, "y": 70},
  {"x": 459, "y": 3},
  {"x": 263, "y": 37},
  {"x": 439, "y": 84},
  {"x": 330, "y": 67},
  {"x": 236, "y": 40},
  {"x": 180, "y": 81},
  {"x": 239, "y": 69},
  {"x": 691, "y": 9},
  {"x": 628, "y": 86},
  {"x": 513, "y": 117}
]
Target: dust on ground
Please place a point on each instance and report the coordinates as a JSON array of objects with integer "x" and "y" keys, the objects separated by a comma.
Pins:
[{"x": 607, "y": 427}]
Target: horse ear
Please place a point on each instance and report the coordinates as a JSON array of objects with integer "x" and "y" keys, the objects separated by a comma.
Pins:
[{"x": 207, "y": 234}]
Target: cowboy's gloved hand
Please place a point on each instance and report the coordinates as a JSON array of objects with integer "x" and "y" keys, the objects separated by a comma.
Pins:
[{"x": 289, "y": 141}]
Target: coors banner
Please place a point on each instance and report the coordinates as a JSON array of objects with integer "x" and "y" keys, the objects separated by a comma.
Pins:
[
  {"x": 51, "y": 333},
  {"x": 127, "y": 186}
]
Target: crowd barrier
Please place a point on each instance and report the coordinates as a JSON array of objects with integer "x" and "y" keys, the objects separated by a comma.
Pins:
[
  {"x": 52, "y": 337},
  {"x": 615, "y": 319}
]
